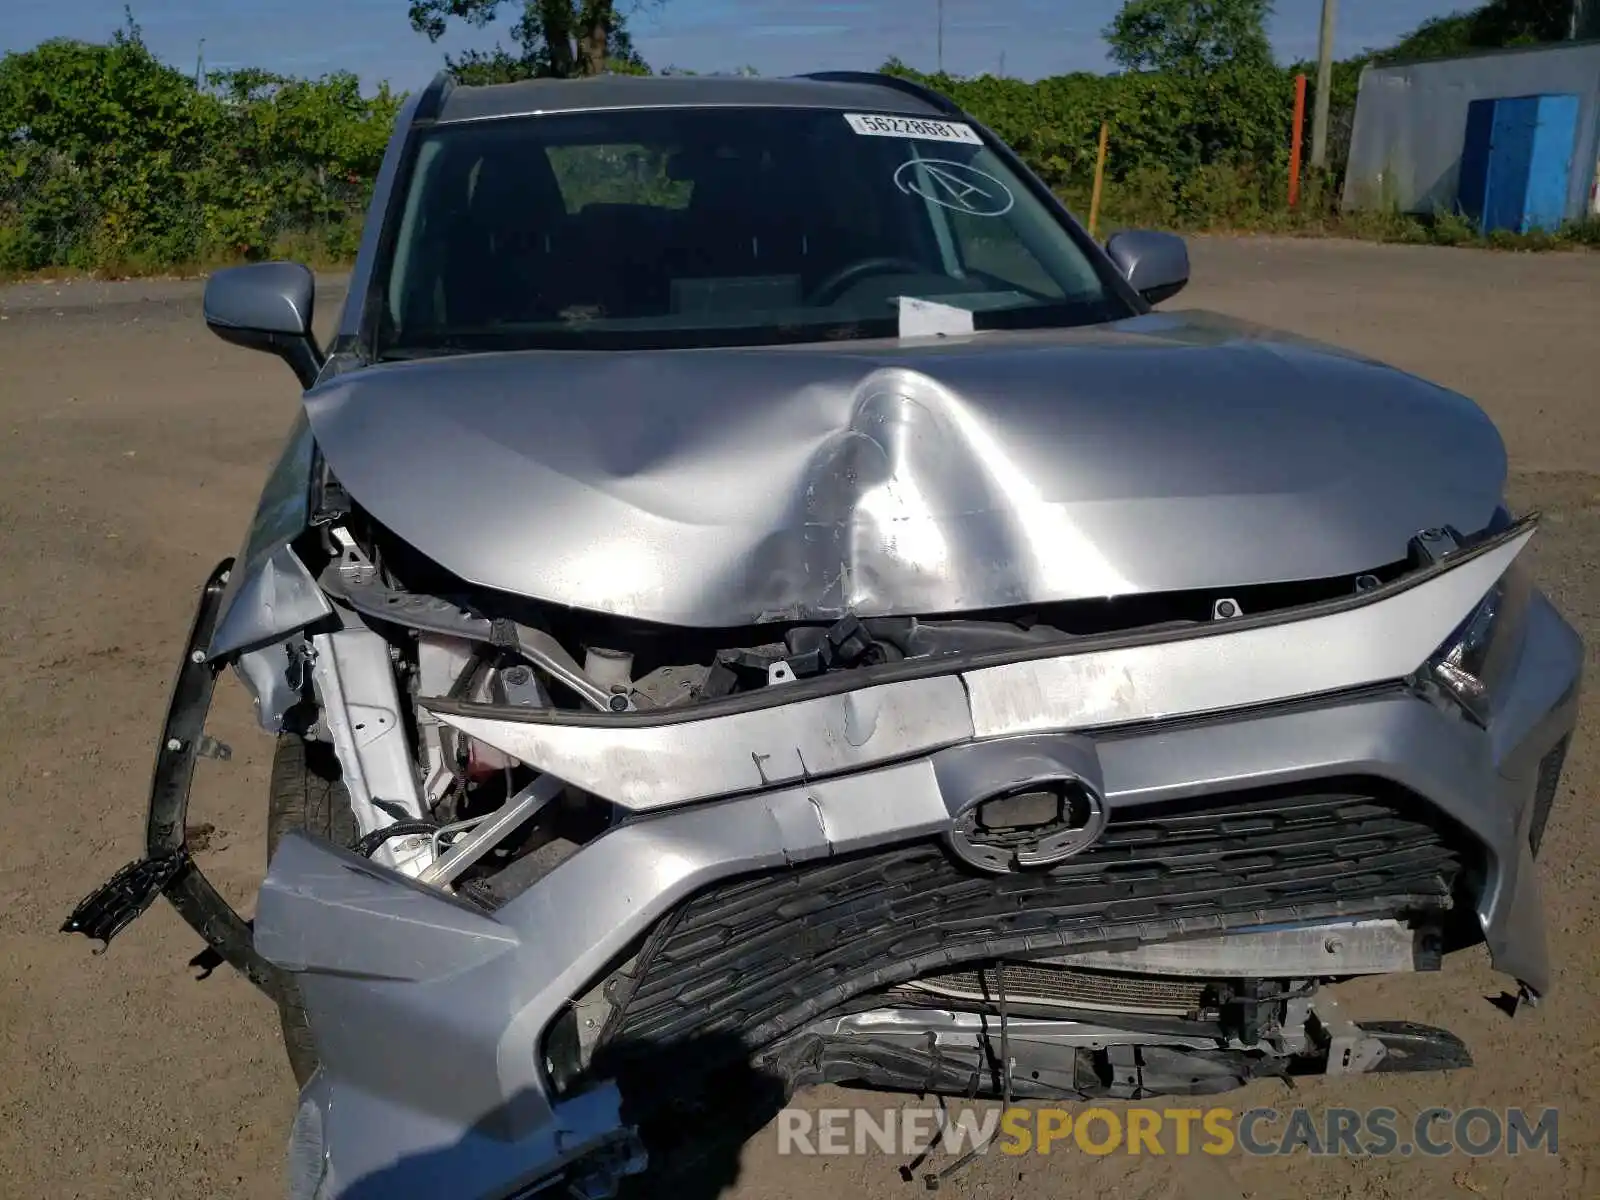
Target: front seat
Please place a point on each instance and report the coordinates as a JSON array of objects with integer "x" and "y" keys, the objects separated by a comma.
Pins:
[{"x": 504, "y": 260}]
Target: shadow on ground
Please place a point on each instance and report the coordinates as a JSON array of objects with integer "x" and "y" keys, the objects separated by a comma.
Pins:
[{"x": 702, "y": 1101}]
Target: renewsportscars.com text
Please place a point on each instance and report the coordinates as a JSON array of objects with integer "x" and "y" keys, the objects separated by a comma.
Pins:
[{"x": 1360, "y": 1133}]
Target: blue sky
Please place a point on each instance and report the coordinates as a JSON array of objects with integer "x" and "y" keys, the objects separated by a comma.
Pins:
[{"x": 372, "y": 37}]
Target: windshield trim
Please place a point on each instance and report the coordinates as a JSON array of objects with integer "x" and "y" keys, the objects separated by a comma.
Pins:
[
  {"x": 1116, "y": 288},
  {"x": 677, "y": 106}
]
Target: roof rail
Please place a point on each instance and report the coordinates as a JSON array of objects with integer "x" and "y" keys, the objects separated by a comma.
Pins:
[
  {"x": 910, "y": 87},
  {"x": 432, "y": 98}
]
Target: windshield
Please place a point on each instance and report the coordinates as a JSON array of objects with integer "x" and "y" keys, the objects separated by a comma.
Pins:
[{"x": 690, "y": 227}]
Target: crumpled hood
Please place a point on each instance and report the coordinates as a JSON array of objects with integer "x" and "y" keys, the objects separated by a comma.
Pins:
[{"x": 732, "y": 486}]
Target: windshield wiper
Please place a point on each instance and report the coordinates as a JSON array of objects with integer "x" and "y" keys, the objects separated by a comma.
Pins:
[
  {"x": 620, "y": 336},
  {"x": 584, "y": 336},
  {"x": 413, "y": 353},
  {"x": 1055, "y": 314}
]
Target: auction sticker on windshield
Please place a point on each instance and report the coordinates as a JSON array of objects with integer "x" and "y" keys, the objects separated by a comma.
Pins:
[{"x": 874, "y": 125}]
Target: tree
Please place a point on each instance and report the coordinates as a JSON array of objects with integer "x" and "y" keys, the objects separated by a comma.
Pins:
[
  {"x": 554, "y": 38},
  {"x": 1190, "y": 37},
  {"x": 1495, "y": 25}
]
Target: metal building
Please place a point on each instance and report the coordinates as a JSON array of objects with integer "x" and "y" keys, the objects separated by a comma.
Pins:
[{"x": 1526, "y": 121}]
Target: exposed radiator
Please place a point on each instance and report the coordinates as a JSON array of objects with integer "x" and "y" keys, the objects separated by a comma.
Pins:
[{"x": 1050, "y": 986}]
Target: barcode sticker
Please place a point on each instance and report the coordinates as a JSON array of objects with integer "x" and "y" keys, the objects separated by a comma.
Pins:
[{"x": 921, "y": 128}]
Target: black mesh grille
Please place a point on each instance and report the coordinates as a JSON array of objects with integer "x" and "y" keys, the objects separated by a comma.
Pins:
[
  {"x": 1544, "y": 793},
  {"x": 762, "y": 955}
]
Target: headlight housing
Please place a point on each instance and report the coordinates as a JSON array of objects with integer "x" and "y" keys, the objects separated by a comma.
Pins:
[{"x": 1468, "y": 669}]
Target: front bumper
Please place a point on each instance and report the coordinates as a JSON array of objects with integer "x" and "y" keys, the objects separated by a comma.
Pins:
[
  {"x": 481, "y": 991},
  {"x": 430, "y": 1014},
  {"x": 167, "y": 868}
]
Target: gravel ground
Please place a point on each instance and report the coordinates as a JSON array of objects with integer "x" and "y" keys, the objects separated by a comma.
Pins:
[{"x": 133, "y": 445}]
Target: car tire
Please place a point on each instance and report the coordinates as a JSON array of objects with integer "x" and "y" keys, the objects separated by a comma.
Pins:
[{"x": 306, "y": 794}]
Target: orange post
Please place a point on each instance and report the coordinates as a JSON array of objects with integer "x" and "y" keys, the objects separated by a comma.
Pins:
[
  {"x": 1099, "y": 177},
  {"x": 1294, "y": 141}
]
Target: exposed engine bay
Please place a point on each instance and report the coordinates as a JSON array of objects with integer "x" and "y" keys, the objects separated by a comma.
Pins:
[{"x": 443, "y": 640}]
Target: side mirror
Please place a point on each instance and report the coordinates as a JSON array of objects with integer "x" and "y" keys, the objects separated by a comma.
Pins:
[
  {"x": 1156, "y": 265},
  {"x": 267, "y": 306}
]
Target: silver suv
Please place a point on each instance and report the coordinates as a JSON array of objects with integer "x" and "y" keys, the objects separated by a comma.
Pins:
[{"x": 756, "y": 593}]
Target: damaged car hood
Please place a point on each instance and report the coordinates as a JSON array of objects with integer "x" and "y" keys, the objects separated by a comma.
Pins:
[{"x": 727, "y": 487}]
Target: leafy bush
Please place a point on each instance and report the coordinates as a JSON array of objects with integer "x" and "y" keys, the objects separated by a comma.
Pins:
[
  {"x": 1187, "y": 149},
  {"x": 1584, "y": 233},
  {"x": 111, "y": 160}
]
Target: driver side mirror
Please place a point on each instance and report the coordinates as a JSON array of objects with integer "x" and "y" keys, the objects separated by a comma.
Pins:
[
  {"x": 1156, "y": 265},
  {"x": 267, "y": 306}
]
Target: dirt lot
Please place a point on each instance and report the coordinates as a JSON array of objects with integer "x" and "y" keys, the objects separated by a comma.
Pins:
[{"x": 133, "y": 446}]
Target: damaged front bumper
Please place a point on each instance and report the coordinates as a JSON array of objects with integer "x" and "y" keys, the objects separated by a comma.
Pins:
[
  {"x": 583, "y": 1142},
  {"x": 433, "y": 1016},
  {"x": 167, "y": 868}
]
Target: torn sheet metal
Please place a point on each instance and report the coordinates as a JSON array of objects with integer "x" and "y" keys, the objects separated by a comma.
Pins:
[
  {"x": 270, "y": 592},
  {"x": 680, "y": 757},
  {"x": 647, "y": 766}
]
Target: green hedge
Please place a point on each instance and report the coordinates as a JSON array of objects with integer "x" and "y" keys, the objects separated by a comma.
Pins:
[
  {"x": 109, "y": 159},
  {"x": 1184, "y": 150},
  {"x": 112, "y": 161}
]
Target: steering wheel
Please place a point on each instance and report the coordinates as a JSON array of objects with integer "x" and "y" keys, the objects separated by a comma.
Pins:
[{"x": 835, "y": 284}]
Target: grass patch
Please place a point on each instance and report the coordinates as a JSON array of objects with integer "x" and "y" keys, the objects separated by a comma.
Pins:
[
  {"x": 1237, "y": 199},
  {"x": 327, "y": 249}
]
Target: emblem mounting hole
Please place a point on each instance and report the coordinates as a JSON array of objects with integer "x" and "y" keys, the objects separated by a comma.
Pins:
[{"x": 1028, "y": 826}]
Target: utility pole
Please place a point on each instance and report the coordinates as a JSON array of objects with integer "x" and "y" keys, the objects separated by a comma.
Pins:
[
  {"x": 1319, "y": 118},
  {"x": 941, "y": 37}
]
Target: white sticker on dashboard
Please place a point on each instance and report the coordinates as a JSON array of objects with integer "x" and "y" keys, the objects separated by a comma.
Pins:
[{"x": 922, "y": 128}]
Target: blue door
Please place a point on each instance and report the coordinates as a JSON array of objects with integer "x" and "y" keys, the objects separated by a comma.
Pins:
[
  {"x": 1555, "y": 136},
  {"x": 1472, "y": 191},
  {"x": 1510, "y": 160},
  {"x": 1516, "y": 161}
]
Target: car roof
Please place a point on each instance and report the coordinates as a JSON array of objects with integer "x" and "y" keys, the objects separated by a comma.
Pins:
[{"x": 532, "y": 96}]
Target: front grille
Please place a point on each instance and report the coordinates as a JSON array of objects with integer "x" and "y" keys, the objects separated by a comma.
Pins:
[
  {"x": 757, "y": 957},
  {"x": 1044, "y": 985}
]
